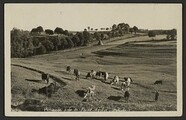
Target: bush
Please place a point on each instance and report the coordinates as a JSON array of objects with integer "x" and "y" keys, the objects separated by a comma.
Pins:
[{"x": 151, "y": 34}]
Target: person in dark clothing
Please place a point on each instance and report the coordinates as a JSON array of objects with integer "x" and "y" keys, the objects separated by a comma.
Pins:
[
  {"x": 156, "y": 95},
  {"x": 126, "y": 95}
]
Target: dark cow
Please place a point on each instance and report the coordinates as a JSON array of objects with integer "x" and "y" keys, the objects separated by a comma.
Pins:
[
  {"x": 102, "y": 74},
  {"x": 45, "y": 76},
  {"x": 99, "y": 73},
  {"x": 48, "y": 90},
  {"x": 158, "y": 82},
  {"x": 126, "y": 95},
  {"x": 77, "y": 74},
  {"x": 91, "y": 74},
  {"x": 88, "y": 75},
  {"x": 68, "y": 69}
]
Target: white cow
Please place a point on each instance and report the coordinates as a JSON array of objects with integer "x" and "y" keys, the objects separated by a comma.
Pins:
[
  {"x": 93, "y": 73},
  {"x": 106, "y": 76},
  {"x": 128, "y": 81},
  {"x": 115, "y": 80},
  {"x": 123, "y": 86}
]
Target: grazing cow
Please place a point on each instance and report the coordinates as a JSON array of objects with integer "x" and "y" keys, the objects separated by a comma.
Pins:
[
  {"x": 115, "y": 80},
  {"x": 44, "y": 77},
  {"x": 126, "y": 95},
  {"x": 128, "y": 81},
  {"x": 99, "y": 73},
  {"x": 105, "y": 76},
  {"x": 91, "y": 74},
  {"x": 102, "y": 74},
  {"x": 123, "y": 86},
  {"x": 88, "y": 75},
  {"x": 90, "y": 91},
  {"x": 68, "y": 69},
  {"x": 77, "y": 74},
  {"x": 158, "y": 82}
]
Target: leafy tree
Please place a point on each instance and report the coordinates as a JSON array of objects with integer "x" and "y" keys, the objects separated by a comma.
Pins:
[
  {"x": 66, "y": 32},
  {"x": 48, "y": 45},
  {"x": 76, "y": 40},
  {"x": 64, "y": 43},
  {"x": 88, "y": 28},
  {"x": 34, "y": 30},
  {"x": 120, "y": 32},
  {"x": 70, "y": 43},
  {"x": 97, "y": 35},
  {"x": 131, "y": 30},
  {"x": 151, "y": 33},
  {"x": 107, "y": 28},
  {"x": 87, "y": 37},
  {"x": 48, "y": 31},
  {"x": 58, "y": 30},
  {"x": 35, "y": 41},
  {"x": 21, "y": 44},
  {"x": 114, "y": 27},
  {"x": 56, "y": 41},
  {"x": 39, "y": 29},
  {"x": 135, "y": 29},
  {"x": 41, "y": 50},
  {"x": 173, "y": 34}
]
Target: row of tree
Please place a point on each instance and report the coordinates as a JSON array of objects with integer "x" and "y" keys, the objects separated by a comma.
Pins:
[
  {"x": 40, "y": 41},
  {"x": 171, "y": 34},
  {"x": 25, "y": 43}
]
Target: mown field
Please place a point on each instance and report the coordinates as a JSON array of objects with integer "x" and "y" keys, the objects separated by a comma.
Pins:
[{"x": 141, "y": 58}]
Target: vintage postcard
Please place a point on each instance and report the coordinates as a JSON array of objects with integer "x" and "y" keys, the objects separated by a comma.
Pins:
[{"x": 102, "y": 60}]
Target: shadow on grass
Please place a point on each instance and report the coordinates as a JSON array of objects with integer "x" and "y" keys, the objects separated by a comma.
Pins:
[
  {"x": 116, "y": 88},
  {"x": 115, "y": 98},
  {"x": 149, "y": 101},
  {"x": 34, "y": 80},
  {"x": 81, "y": 93},
  {"x": 67, "y": 78}
]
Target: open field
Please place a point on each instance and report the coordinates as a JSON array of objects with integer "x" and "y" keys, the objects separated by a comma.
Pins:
[{"x": 141, "y": 58}]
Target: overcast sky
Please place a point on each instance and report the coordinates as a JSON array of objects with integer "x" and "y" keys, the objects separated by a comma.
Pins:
[{"x": 80, "y": 16}]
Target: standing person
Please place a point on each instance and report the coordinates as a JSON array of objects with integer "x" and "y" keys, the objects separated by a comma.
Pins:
[
  {"x": 90, "y": 91},
  {"x": 156, "y": 95},
  {"x": 126, "y": 95}
]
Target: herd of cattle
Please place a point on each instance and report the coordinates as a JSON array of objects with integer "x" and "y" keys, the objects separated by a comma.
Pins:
[{"x": 124, "y": 85}]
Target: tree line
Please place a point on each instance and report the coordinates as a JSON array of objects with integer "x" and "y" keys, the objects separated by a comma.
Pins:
[
  {"x": 171, "y": 34},
  {"x": 39, "y": 41}
]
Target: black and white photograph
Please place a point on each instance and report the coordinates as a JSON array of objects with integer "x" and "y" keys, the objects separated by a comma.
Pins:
[{"x": 90, "y": 59}]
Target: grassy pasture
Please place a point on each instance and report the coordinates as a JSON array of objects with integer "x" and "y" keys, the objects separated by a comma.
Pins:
[{"x": 144, "y": 60}]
